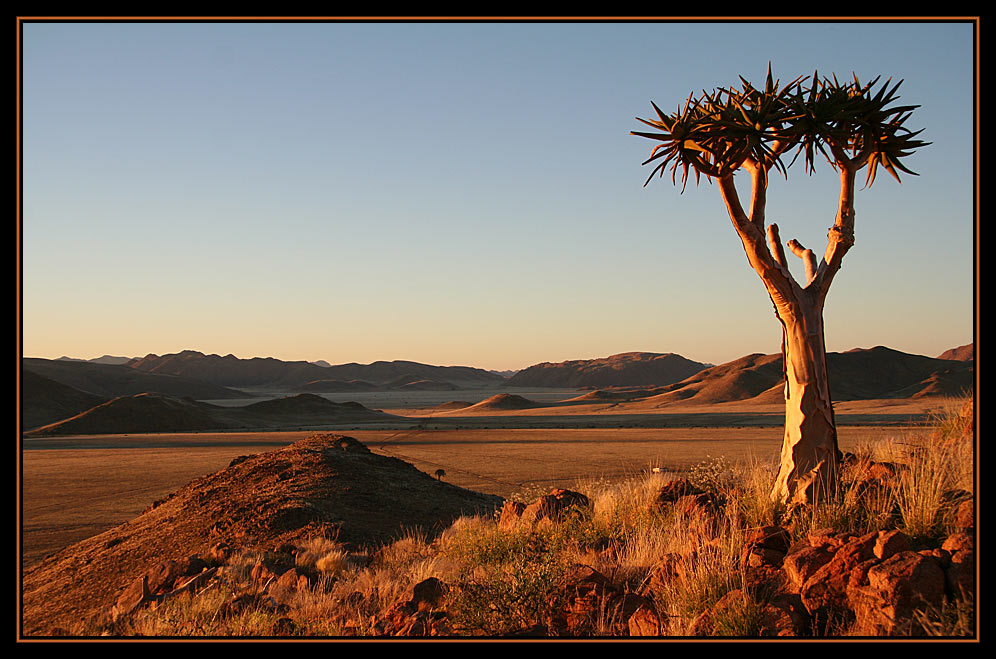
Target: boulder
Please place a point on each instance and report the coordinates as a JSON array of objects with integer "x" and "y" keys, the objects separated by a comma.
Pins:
[
  {"x": 553, "y": 506},
  {"x": 960, "y": 571},
  {"x": 165, "y": 576},
  {"x": 674, "y": 490},
  {"x": 800, "y": 565},
  {"x": 645, "y": 621},
  {"x": 510, "y": 514},
  {"x": 825, "y": 590},
  {"x": 963, "y": 517},
  {"x": 134, "y": 596},
  {"x": 417, "y": 615},
  {"x": 896, "y": 587},
  {"x": 889, "y": 543}
]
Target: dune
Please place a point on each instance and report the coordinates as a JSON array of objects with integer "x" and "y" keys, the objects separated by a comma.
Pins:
[
  {"x": 502, "y": 403},
  {"x": 452, "y": 405}
]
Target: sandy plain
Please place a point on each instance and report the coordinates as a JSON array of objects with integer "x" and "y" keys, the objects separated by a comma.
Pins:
[{"x": 75, "y": 487}]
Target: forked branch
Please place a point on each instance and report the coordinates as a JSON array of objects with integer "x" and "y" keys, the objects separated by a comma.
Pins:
[{"x": 808, "y": 259}]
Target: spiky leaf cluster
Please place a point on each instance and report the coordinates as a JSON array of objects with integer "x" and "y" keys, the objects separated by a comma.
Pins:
[{"x": 849, "y": 124}]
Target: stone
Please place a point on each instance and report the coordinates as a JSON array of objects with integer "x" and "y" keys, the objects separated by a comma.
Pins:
[
  {"x": 428, "y": 594},
  {"x": 960, "y": 571},
  {"x": 770, "y": 537},
  {"x": 889, "y": 543},
  {"x": 958, "y": 542},
  {"x": 825, "y": 591},
  {"x": 219, "y": 553},
  {"x": 553, "y": 506},
  {"x": 645, "y": 621},
  {"x": 963, "y": 518},
  {"x": 510, "y": 514},
  {"x": 282, "y": 589},
  {"x": 895, "y": 588},
  {"x": 674, "y": 490},
  {"x": 134, "y": 596},
  {"x": 799, "y": 566}
]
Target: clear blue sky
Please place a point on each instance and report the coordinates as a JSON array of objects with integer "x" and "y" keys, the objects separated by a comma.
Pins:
[{"x": 462, "y": 193}]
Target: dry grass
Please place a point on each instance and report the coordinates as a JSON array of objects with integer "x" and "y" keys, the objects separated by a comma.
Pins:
[{"x": 684, "y": 560}]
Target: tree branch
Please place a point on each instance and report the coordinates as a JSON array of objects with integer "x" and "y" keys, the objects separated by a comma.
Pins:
[
  {"x": 840, "y": 237},
  {"x": 775, "y": 246},
  {"x": 759, "y": 192},
  {"x": 777, "y": 279},
  {"x": 808, "y": 258}
]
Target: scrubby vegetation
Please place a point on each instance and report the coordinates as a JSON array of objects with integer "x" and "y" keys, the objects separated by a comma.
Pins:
[{"x": 631, "y": 562}]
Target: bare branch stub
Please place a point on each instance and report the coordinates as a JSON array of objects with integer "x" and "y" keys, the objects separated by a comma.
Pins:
[{"x": 808, "y": 259}]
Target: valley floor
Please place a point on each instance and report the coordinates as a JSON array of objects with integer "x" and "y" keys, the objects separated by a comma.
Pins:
[{"x": 76, "y": 487}]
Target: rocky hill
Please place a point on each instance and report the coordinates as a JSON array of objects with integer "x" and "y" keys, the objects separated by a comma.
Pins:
[
  {"x": 326, "y": 484},
  {"x": 965, "y": 353},
  {"x": 230, "y": 371},
  {"x": 147, "y": 413},
  {"x": 623, "y": 370},
  {"x": 45, "y": 401}
]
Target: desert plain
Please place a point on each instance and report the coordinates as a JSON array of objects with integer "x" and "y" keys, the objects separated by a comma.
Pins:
[{"x": 74, "y": 487}]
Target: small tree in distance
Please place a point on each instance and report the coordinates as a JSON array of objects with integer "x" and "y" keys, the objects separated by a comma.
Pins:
[{"x": 852, "y": 126}]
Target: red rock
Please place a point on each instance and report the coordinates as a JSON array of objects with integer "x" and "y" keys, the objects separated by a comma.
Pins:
[
  {"x": 896, "y": 587},
  {"x": 958, "y": 542},
  {"x": 135, "y": 595},
  {"x": 428, "y": 594},
  {"x": 799, "y": 566},
  {"x": 889, "y": 543},
  {"x": 960, "y": 573},
  {"x": 770, "y": 537},
  {"x": 674, "y": 490},
  {"x": 645, "y": 621},
  {"x": 942, "y": 556},
  {"x": 219, "y": 553},
  {"x": 553, "y": 506},
  {"x": 963, "y": 518},
  {"x": 826, "y": 589},
  {"x": 510, "y": 514}
]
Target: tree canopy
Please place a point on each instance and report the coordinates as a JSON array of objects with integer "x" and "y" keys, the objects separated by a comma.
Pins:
[{"x": 850, "y": 124}]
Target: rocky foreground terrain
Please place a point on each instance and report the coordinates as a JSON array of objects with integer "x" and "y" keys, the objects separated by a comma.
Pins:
[
  {"x": 327, "y": 484},
  {"x": 561, "y": 566}
]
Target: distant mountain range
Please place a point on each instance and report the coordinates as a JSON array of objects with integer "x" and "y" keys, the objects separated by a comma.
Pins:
[
  {"x": 859, "y": 374},
  {"x": 628, "y": 369},
  {"x": 259, "y": 372},
  {"x": 106, "y": 359},
  {"x": 57, "y": 390}
]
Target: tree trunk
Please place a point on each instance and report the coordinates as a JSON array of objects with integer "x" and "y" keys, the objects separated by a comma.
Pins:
[{"x": 809, "y": 457}]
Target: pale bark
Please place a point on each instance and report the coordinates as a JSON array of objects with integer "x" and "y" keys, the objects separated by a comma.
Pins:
[{"x": 809, "y": 455}]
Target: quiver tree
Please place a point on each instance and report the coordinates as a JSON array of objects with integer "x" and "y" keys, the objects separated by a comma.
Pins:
[{"x": 851, "y": 125}]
